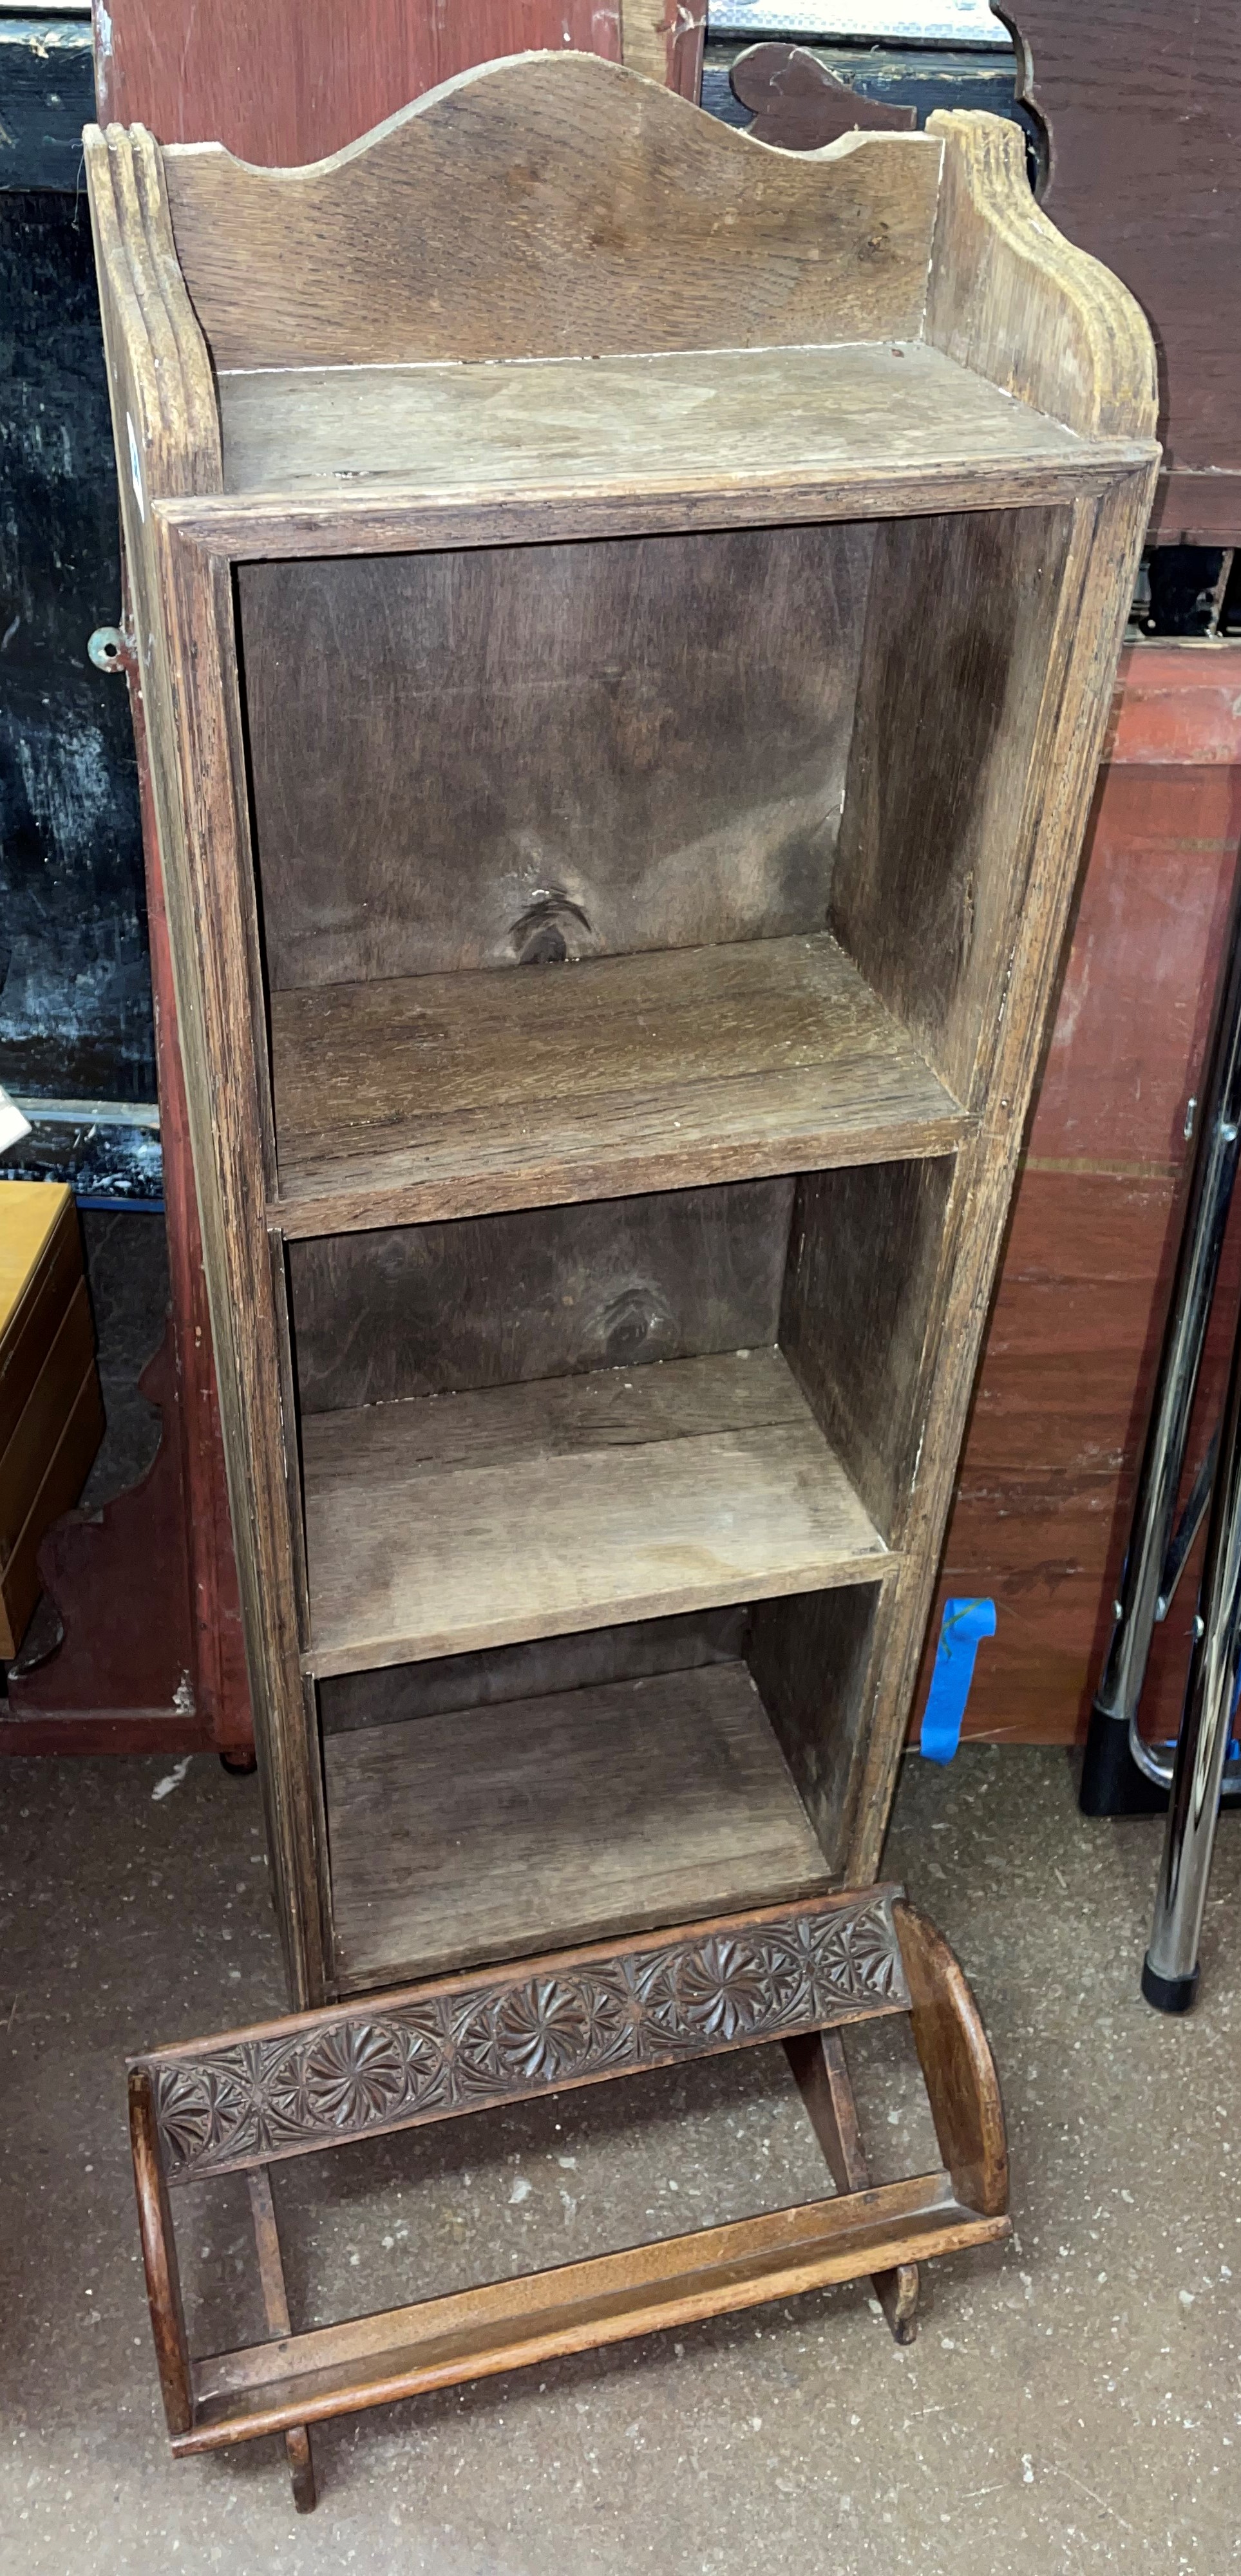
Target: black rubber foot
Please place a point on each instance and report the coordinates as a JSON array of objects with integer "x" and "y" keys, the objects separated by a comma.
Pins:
[
  {"x": 1112, "y": 1784},
  {"x": 240, "y": 1764},
  {"x": 1169, "y": 1994}
]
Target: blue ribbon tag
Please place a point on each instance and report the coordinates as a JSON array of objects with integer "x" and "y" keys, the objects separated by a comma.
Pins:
[{"x": 953, "y": 1671}]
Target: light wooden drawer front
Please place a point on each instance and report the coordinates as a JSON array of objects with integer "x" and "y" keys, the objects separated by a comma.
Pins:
[
  {"x": 64, "y": 1476},
  {"x": 40, "y": 1265},
  {"x": 28, "y": 1456}
]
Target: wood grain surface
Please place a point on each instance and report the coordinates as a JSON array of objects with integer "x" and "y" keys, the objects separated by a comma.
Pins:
[
  {"x": 68, "y": 1359},
  {"x": 77, "y": 1435},
  {"x": 194, "y": 75},
  {"x": 1067, "y": 739},
  {"x": 279, "y": 2323},
  {"x": 511, "y": 2323},
  {"x": 159, "y": 2255},
  {"x": 957, "y": 2066},
  {"x": 861, "y": 1316},
  {"x": 1010, "y": 296},
  {"x": 458, "y": 1094},
  {"x": 40, "y": 1266},
  {"x": 1040, "y": 1512},
  {"x": 799, "y": 105},
  {"x": 437, "y": 1309},
  {"x": 544, "y": 1822},
  {"x": 542, "y": 1509},
  {"x": 455, "y": 1522},
  {"x": 552, "y": 207},
  {"x": 532, "y": 753},
  {"x": 534, "y": 1669},
  {"x": 934, "y": 846},
  {"x": 759, "y": 415}
]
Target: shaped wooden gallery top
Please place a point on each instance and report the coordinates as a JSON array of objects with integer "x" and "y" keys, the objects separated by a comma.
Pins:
[{"x": 552, "y": 279}]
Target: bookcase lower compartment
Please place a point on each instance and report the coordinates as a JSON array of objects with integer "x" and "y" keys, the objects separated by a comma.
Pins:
[{"x": 472, "y": 1833}]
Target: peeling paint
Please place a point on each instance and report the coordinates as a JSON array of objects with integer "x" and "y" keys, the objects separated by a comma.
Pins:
[{"x": 75, "y": 1003}]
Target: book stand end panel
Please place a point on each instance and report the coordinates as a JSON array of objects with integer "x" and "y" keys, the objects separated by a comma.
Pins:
[{"x": 623, "y": 715}]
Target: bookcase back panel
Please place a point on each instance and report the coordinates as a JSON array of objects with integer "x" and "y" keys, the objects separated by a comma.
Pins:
[
  {"x": 930, "y": 879},
  {"x": 539, "y": 1665},
  {"x": 487, "y": 1301},
  {"x": 519, "y": 754},
  {"x": 555, "y": 206}
]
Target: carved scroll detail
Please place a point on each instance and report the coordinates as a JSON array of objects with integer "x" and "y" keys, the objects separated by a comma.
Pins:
[{"x": 460, "y": 2048}]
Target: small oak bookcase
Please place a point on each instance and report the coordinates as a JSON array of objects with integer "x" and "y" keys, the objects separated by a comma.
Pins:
[{"x": 626, "y": 621}]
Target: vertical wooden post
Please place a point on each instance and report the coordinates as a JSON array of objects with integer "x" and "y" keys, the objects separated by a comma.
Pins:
[
  {"x": 159, "y": 2255},
  {"x": 821, "y": 2070},
  {"x": 276, "y": 2309}
]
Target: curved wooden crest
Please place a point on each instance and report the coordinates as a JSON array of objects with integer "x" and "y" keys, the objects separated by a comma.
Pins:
[{"x": 551, "y": 206}]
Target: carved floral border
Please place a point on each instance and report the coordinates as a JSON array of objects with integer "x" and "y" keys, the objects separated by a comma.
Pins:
[{"x": 509, "y": 2038}]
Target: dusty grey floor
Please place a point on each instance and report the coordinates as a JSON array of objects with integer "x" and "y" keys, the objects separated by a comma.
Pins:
[{"x": 1072, "y": 2401}]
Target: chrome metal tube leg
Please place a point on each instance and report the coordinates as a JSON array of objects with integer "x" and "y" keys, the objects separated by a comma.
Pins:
[
  {"x": 1170, "y": 1975},
  {"x": 1206, "y": 1214}
]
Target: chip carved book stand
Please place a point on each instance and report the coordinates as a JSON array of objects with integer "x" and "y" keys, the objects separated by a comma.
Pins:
[{"x": 566, "y": 534}]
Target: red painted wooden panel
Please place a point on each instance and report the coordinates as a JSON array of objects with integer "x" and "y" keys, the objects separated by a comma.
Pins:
[
  {"x": 283, "y": 81},
  {"x": 1046, "y": 1483},
  {"x": 1136, "y": 995}
]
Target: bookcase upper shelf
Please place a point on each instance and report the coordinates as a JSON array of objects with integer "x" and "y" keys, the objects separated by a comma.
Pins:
[{"x": 742, "y": 417}]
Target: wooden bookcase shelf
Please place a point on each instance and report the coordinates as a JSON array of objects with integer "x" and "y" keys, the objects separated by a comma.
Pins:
[
  {"x": 567, "y": 536},
  {"x": 610, "y": 1810},
  {"x": 569, "y": 1503},
  {"x": 628, "y": 426},
  {"x": 455, "y": 1095}
]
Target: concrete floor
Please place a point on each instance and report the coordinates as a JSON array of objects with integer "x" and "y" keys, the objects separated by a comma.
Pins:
[{"x": 1071, "y": 2403}]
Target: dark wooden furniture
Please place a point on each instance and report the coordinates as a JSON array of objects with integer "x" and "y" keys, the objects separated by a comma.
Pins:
[
  {"x": 1142, "y": 112},
  {"x": 583, "y": 1329},
  {"x": 1045, "y": 1488},
  {"x": 799, "y": 105},
  {"x": 248, "y": 2099}
]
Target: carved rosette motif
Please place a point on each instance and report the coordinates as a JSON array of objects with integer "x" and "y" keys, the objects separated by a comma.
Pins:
[{"x": 508, "y": 2038}]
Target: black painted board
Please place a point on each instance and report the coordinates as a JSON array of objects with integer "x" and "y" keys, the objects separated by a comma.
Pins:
[
  {"x": 47, "y": 95},
  {"x": 921, "y": 77},
  {"x": 75, "y": 993}
]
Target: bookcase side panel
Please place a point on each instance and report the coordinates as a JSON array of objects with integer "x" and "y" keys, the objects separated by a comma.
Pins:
[
  {"x": 202, "y": 813},
  {"x": 521, "y": 754},
  {"x": 812, "y": 1655},
  {"x": 861, "y": 1317},
  {"x": 936, "y": 832},
  {"x": 1094, "y": 595}
]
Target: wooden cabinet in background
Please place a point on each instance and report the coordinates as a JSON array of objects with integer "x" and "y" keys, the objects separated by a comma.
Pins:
[{"x": 51, "y": 1410}]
